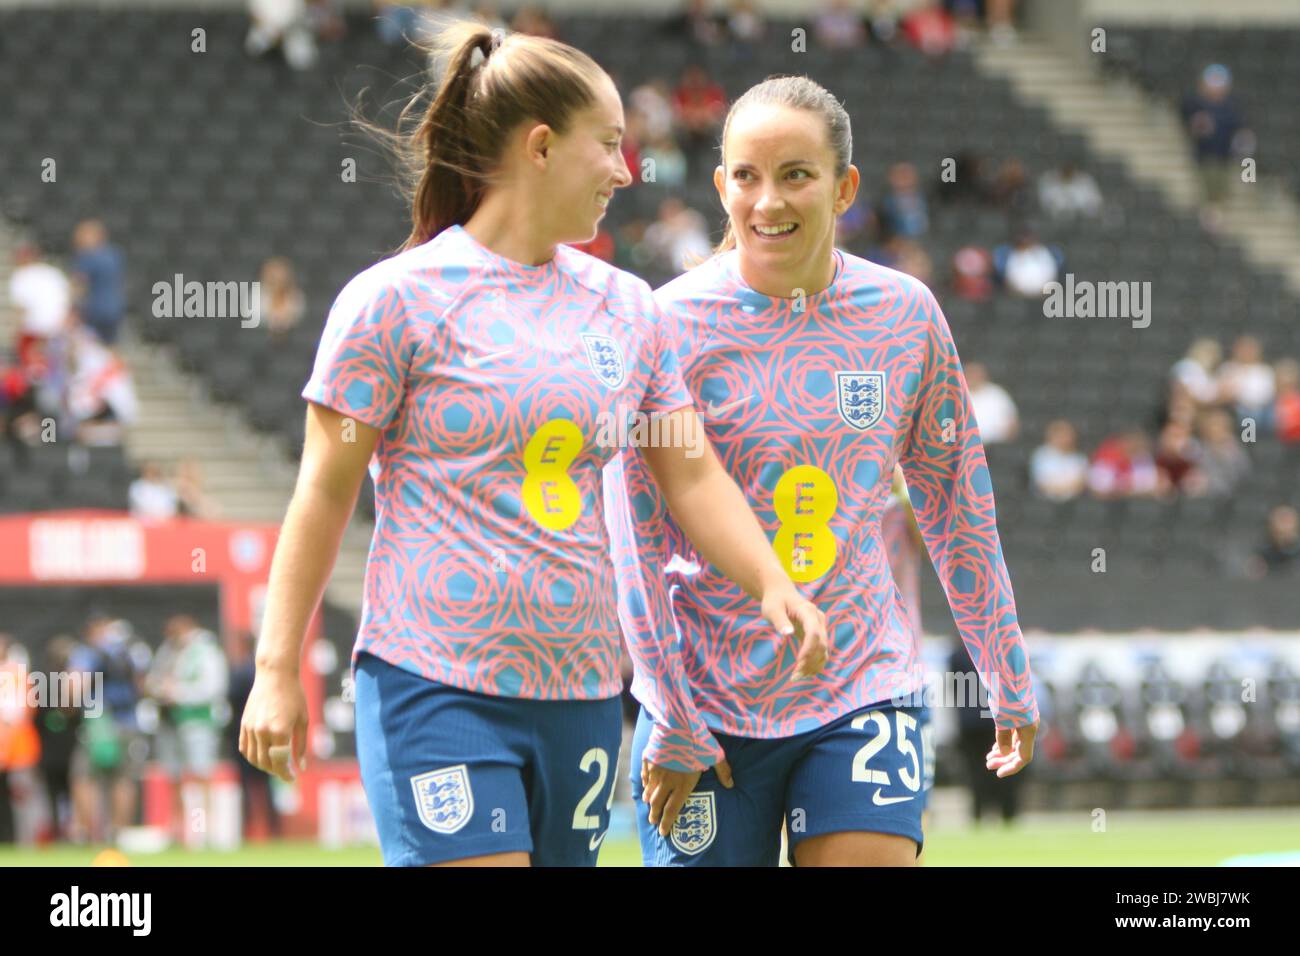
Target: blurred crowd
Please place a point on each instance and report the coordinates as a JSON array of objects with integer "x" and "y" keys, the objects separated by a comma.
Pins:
[
  {"x": 62, "y": 368},
  {"x": 71, "y": 767}
]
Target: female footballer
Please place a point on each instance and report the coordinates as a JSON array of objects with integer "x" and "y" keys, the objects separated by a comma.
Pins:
[
  {"x": 815, "y": 372},
  {"x": 474, "y": 372}
]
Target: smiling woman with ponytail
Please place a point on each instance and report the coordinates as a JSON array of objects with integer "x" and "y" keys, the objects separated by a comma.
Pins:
[{"x": 476, "y": 372}]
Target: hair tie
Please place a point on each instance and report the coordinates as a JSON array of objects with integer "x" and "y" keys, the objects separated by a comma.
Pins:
[{"x": 477, "y": 58}]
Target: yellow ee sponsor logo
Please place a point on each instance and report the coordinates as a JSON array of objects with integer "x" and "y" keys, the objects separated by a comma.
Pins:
[
  {"x": 805, "y": 500},
  {"x": 549, "y": 494}
]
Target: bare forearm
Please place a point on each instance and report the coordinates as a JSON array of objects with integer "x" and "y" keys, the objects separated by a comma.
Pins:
[
  {"x": 716, "y": 517},
  {"x": 304, "y": 557}
]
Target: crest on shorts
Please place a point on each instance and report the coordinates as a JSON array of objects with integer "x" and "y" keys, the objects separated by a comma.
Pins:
[
  {"x": 860, "y": 397},
  {"x": 606, "y": 358},
  {"x": 695, "y": 826},
  {"x": 444, "y": 798}
]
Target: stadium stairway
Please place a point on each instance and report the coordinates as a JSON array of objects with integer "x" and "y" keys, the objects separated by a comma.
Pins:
[{"x": 1122, "y": 123}]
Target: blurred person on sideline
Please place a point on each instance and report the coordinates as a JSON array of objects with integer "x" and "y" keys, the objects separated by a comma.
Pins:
[
  {"x": 1057, "y": 469},
  {"x": 254, "y": 785},
  {"x": 995, "y": 411},
  {"x": 99, "y": 270},
  {"x": 58, "y": 723},
  {"x": 20, "y": 746},
  {"x": 189, "y": 680},
  {"x": 109, "y": 761},
  {"x": 972, "y": 273},
  {"x": 973, "y": 724}
]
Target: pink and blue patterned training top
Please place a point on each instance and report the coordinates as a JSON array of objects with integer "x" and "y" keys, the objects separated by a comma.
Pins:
[
  {"x": 494, "y": 384},
  {"x": 810, "y": 403}
]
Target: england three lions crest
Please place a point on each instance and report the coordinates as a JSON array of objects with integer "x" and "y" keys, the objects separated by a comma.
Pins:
[
  {"x": 696, "y": 825},
  {"x": 444, "y": 798},
  {"x": 606, "y": 358},
  {"x": 860, "y": 397}
]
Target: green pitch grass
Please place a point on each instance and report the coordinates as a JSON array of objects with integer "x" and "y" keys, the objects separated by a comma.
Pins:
[{"x": 1170, "y": 838}]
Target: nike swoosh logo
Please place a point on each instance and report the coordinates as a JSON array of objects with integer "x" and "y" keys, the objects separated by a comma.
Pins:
[
  {"x": 880, "y": 801},
  {"x": 474, "y": 361},
  {"x": 596, "y": 841},
  {"x": 715, "y": 410}
]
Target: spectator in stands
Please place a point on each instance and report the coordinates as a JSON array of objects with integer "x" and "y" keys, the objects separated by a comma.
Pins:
[
  {"x": 745, "y": 24},
  {"x": 282, "y": 23},
  {"x": 192, "y": 501},
  {"x": 533, "y": 20},
  {"x": 18, "y": 421},
  {"x": 1196, "y": 371},
  {"x": 107, "y": 767},
  {"x": 698, "y": 106},
  {"x": 1286, "y": 406},
  {"x": 1246, "y": 380},
  {"x": 907, "y": 256},
  {"x": 1177, "y": 458},
  {"x": 254, "y": 785},
  {"x": 903, "y": 209},
  {"x": 280, "y": 299},
  {"x": 679, "y": 239},
  {"x": 1213, "y": 123},
  {"x": 189, "y": 679},
  {"x": 972, "y": 273},
  {"x": 1223, "y": 461},
  {"x": 697, "y": 24},
  {"x": 1280, "y": 552},
  {"x": 42, "y": 295},
  {"x": 1011, "y": 193},
  {"x": 858, "y": 223},
  {"x": 967, "y": 181},
  {"x": 1057, "y": 469},
  {"x": 57, "y": 724},
  {"x": 995, "y": 412},
  {"x": 653, "y": 102},
  {"x": 1027, "y": 266},
  {"x": 669, "y": 162},
  {"x": 101, "y": 398},
  {"x": 1068, "y": 193},
  {"x": 1123, "y": 466},
  {"x": 99, "y": 270},
  {"x": 838, "y": 26},
  {"x": 929, "y": 28},
  {"x": 152, "y": 496},
  {"x": 882, "y": 18}
]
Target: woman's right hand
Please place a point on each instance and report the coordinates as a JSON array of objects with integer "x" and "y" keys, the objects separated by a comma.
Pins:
[{"x": 274, "y": 726}]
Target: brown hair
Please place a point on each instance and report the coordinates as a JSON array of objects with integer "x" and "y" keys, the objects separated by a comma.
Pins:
[
  {"x": 798, "y": 93},
  {"x": 491, "y": 83}
]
